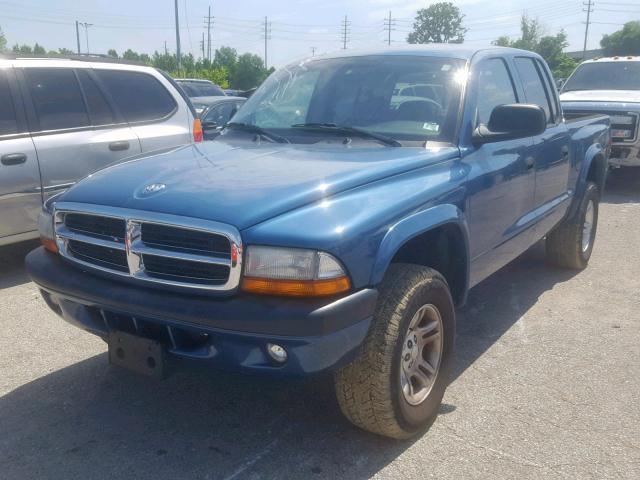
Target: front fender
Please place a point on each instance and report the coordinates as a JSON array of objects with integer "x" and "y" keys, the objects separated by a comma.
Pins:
[{"x": 412, "y": 226}]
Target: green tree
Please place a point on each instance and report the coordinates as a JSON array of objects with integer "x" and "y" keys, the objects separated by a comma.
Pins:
[
  {"x": 39, "y": 49},
  {"x": 112, "y": 53},
  {"x": 227, "y": 58},
  {"x": 249, "y": 72},
  {"x": 549, "y": 47},
  {"x": 3, "y": 42},
  {"x": 22, "y": 49},
  {"x": 438, "y": 23},
  {"x": 131, "y": 55},
  {"x": 623, "y": 42}
]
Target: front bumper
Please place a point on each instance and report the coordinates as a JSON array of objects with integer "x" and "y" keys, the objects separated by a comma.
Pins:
[
  {"x": 226, "y": 333},
  {"x": 625, "y": 154}
]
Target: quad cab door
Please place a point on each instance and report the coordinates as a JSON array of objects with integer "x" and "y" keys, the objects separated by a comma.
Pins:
[
  {"x": 501, "y": 177},
  {"x": 550, "y": 149}
]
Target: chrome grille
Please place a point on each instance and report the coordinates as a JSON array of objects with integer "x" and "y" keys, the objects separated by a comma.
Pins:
[
  {"x": 624, "y": 125},
  {"x": 150, "y": 247}
]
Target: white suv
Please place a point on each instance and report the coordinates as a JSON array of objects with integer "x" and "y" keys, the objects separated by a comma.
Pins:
[{"x": 62, "y": 119}]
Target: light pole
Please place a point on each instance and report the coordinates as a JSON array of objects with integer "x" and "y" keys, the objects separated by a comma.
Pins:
[{"x": 86, "y": 32}]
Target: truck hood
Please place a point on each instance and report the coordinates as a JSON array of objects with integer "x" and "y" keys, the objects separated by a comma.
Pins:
[
  {"x": 245, "y": 184},
  {"x": 617, "y": 96}
]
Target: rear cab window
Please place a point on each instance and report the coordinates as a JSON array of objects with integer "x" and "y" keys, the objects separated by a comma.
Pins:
[
  {"x": 533, "y": 84},
  {"x": 8, "y": 120},
  {"x": 138, "y": 96}
]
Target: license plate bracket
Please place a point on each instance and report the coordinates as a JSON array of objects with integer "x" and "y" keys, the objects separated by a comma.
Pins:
[{"x": 138, "y": 354}]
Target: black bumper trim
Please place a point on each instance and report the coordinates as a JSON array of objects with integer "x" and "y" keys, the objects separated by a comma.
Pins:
[{"x": 241, "y": 313}]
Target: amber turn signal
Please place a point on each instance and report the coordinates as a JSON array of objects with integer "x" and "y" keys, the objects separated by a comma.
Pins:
[
  {"x": 296, "y": 288},
  {"x": 49, "y": 244}
]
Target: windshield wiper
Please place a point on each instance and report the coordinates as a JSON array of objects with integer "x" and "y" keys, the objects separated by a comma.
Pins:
[
  {"x": 251, "y": 128},
  {"x": 348, "y": 130}
]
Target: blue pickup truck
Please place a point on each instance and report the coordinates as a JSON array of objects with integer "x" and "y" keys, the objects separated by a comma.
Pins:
[{"x": 335, "y": 224}]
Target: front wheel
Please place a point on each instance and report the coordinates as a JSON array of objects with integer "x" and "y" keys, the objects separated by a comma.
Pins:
[
  {"x": 395, "y": 386},
  {"x": 571, "y": 243}
]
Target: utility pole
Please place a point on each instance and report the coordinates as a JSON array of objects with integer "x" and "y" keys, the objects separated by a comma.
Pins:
[
  {"x": 178, "y": 37},
  {"x": 266, "y": 36},
  {"x": 345, "y": 32},
  {"x": 166, "y": 52},
  {"x": 589, "y": 5},
  {"x": 208, "y": 19},
  {"x": 313, "y": 51},
  {"x": 388, "y": 24},
  {"x": 78, "y": 36},
  {"x": 86, "y": 33}
]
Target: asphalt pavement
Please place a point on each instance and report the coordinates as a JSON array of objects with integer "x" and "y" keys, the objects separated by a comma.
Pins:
[{"x": 547, "y": 386}]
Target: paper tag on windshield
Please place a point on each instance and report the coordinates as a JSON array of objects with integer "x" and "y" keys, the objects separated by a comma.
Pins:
[{"x": 431, "y": 127}]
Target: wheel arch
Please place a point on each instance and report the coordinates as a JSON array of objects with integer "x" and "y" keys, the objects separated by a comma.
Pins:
[
  {"x": 436, "y": 237},
  {"x": 594, "y": 169}
]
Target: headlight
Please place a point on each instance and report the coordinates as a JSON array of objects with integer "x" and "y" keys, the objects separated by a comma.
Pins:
[
  {"x": 45, "y": 226},
  {"x": 293, "y": 272}
]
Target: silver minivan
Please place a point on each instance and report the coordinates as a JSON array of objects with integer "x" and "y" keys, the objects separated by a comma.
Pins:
[{"x": 62, "y": 119}]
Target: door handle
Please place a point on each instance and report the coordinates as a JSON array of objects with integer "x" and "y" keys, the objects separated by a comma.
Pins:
[
  {"x": 13, "y": 158},
  {"x": 529, "y": 162},
  {"x": 119, "y": 146}
]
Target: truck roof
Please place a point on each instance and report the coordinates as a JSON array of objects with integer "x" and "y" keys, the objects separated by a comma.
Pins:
[
  {"x": 620, "y": 58},
  {"x": 430, "y": 50}
]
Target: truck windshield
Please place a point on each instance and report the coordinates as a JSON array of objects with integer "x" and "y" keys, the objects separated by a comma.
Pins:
[
  {"x": 412, "y": 98},
  {"x": 617, "y": 75}
]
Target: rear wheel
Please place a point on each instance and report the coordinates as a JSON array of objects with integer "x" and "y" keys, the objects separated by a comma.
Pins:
[
  {"x": 571, "y": 243},
  {"x": 395, "y": 386}
]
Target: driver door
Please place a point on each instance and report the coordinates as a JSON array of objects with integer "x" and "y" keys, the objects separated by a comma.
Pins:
[{"x": 501, "y": 179}]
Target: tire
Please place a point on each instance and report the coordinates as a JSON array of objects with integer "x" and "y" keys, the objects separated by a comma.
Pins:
[
  {"x": 370, "y": 389},
  {"x": 570, "y": 244}
]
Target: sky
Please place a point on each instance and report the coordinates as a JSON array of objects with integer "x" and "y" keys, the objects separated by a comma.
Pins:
[{"x": 296, "y": 28}]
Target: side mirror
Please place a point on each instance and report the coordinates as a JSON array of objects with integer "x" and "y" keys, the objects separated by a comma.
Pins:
[
  {"x": 510, "y": 122},
  {"x": 209, "y": 126}
]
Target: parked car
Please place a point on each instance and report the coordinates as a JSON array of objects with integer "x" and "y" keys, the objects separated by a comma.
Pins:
[
  {"x": 609, "y": 86},
  {"x": 62, "y": 119},
  {"x": 328, "y": 229},
  {"x": 195, "y": 87},
  {"x": 232, "y": 93},
  {"x": 216, "y": 112}
]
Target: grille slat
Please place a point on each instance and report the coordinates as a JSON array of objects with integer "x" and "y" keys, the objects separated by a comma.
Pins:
[
  {"x": 98, "y": 255},
  {"x": 164, "y": 236},
  {"x": 174, "y": 269},
  {"x": 95, "y": 225},
  {"x": 158, "y": 250}
]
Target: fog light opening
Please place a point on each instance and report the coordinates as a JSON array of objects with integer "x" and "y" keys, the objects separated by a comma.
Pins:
[{"x": 277, "y": 353}]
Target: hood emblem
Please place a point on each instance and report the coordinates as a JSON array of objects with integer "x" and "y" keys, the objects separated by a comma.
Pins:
[{"x": 152, "y": 188}]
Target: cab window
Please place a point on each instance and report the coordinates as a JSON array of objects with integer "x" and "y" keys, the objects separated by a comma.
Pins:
[
  {"x": 532, "y": 82},
  {"x": 494, "y": 88}
]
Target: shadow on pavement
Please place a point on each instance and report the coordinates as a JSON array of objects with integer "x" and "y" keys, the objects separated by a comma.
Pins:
[
  {"x": 12, "y": 271},
  {"x": 623, "y": 186},
  {"x": 93, "y": 421}
]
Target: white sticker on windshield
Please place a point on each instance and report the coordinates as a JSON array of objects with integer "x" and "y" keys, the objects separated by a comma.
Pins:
[{"x": 431, "y": 127}]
